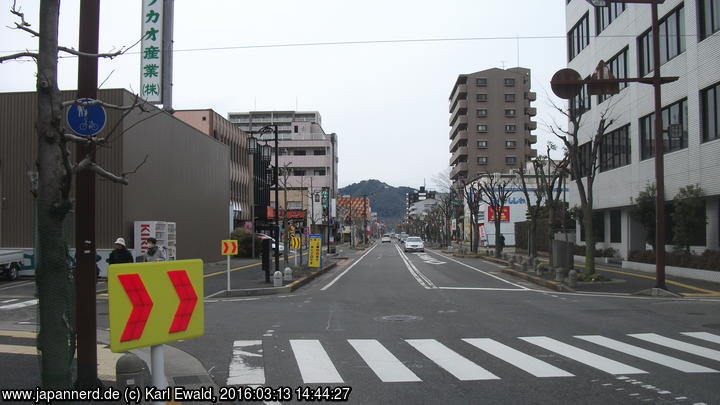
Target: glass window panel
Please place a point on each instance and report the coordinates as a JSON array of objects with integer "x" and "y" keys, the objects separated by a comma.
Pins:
[
  {"x": 681, "y": 30},
  {"x": 672, "y": 37},
  {"x": 663, "y": 43},
  {"x": 715, "y": 16}
]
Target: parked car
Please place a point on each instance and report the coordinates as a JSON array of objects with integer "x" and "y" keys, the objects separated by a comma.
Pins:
[
  {"x": 262, "y": 236},
  {"x": 385, "y": 238},
  {"x": 11, "y": 263},
  {"x": 414, "y": 244}
]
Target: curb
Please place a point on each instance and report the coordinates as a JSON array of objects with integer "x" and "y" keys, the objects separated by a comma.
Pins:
[
  {"x": 286, "y": 289},
  {"x": 554, "y": 285}
]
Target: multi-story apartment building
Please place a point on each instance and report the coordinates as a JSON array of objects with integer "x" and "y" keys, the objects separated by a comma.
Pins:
[
  {"x": 216, "y": 126},
  {"x": 490, "y": 122},
  {"x": 689, "y": 48},
  {"x": 307, "y": 157}
]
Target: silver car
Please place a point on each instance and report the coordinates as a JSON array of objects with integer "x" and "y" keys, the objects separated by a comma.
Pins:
[{"x": 414, "y": 244}]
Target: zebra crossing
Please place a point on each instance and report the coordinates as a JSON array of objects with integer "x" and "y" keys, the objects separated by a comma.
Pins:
[{"x": 315, "y": 364}]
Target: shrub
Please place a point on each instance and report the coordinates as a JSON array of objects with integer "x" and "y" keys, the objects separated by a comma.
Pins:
[
  {"x": 244, "y": 238},
  {"x": 709, "y": 260},
  {"x": 609, "y": 252},
  {"x": 592, "y": 277}
]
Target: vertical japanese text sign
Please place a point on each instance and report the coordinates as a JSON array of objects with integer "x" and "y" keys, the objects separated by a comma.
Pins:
[
  {"x": 151, "y": 51},
  {"x": 315, "y": 250}
]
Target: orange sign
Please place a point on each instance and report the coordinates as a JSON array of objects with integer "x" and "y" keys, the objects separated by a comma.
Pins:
[{"x": 504, "y": 214}]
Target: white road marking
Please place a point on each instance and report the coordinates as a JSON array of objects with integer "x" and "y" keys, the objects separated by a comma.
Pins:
[
  {"x": 328, "y": 285},
  {"x": 314, "y": 363},
  {"x": 457, "y": 365},
  {"x": 672, "y": 362},
  {"x": 583, "y": 356},
  {"x": 679, "y": 345},
  {"x": 17, "y": 284},
  {"x": 19, "y": 304},
  {"x": 246, "y": 365},
  {"x": 704, "y": 336},
  {"x": 18, "y": 333},
  {"x": 536, "y": 367},
  {"x": 17, "y": 349},
  {"x": 386, "y": 366},
  {"x": 419, "y": 276},
  {"x": 481, "y": 271},
  {"x": 480, "y": 288},
  {"x": 8, "y": 301}
]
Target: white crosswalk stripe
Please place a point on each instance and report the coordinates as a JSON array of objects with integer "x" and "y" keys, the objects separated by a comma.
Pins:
[
  {"x": 536, "y": 367},
  {"x": 387, "y": 367},
  {"x": 678, "y": 345},
  {"x": 457, "y": 365},
  {"x": 648, "y": 355},
  {"x": 19, "y": 304},
  {"x": 314, "y": 363},
  {"x": 704, "y": 336},
  {"x": 583, "y": 356}
]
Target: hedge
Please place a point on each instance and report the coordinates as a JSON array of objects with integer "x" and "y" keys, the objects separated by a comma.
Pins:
[{"x": 709, "y": 260}]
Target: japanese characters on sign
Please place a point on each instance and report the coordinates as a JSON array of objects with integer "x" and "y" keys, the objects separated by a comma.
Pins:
[
  {"x": 504, "y": 214},
  {"x": 151, "y": 53},
  {"x": 315, "y": 247}
]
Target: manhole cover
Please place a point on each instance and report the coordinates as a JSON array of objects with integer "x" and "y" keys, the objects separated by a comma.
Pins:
[{"x": 399, "y": 318}]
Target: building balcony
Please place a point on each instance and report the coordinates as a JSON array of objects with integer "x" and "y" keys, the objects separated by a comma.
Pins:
[
  {"x": 460, "y": 125},
  {"x": 532, "y": 139},
  {"x": 459, "y": 171},
  {"x": 531, "y": 95},
  {"x": 461, "y": 102},
  {"x": 460, "y": 155},
  {"x": 531, "y": 125},
  {"x": 459, "y": 89},
  {"x": 460, "y": 138},
  {"x": 531, "y": 111},
  {"x": 459, "y": 113}
]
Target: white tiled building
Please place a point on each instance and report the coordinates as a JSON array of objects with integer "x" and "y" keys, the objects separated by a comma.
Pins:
[{"x": 690, "y": 49}]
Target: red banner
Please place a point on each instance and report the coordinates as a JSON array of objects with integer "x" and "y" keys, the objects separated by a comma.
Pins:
[{"x": 504, "y": 214}]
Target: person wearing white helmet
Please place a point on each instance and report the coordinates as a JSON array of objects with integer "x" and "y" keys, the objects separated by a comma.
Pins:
[{"x": 120, "y": 254}]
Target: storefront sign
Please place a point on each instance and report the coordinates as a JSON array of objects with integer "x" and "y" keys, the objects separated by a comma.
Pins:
[
  {"x": 504, "y": 214},
  {"x": 151, "y": 51}
]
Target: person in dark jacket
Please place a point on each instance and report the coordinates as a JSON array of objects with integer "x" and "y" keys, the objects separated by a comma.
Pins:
[{"x": 120, "y": 254}]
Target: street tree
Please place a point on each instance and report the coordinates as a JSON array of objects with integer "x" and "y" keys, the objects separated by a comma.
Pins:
[
  {"x": 494, "y": 190},
  {"x": 471, "y": 194},
  {"x": 643, "y": 211},
  {"x": 583, "y": 166},
  {"x": 52, "y": 189},
  {"x": 284, "y": 173},
  {"x": 688, "y": 216},
  {"x": 446, "y": 197}
]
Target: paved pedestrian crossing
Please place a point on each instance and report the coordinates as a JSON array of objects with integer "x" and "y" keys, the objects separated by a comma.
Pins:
[{"x": 315, "y": 363}]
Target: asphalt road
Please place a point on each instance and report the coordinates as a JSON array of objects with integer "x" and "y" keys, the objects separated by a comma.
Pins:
[{"x": 425, "y": 328}]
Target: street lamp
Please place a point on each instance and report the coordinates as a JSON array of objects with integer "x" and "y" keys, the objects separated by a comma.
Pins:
[{"x": 656, "y": 82}]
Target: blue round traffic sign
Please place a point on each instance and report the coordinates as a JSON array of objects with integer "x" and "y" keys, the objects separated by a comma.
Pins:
[{"x": 86, "y": 120}]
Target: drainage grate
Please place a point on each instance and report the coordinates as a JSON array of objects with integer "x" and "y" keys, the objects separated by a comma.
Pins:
[{"x": 399, "y": 318}]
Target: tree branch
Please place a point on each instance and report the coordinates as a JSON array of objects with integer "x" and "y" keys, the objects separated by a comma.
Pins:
[
  {"x": 26, "y": 54},
  {"x": 109, "y": 55},
  {"x": 106, "y": 174},
  {"x": 124, "y": 175}
]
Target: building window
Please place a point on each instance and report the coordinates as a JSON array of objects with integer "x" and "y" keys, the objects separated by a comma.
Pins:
[
  {"x": 295, "y": 129},
  {"x": 298, "y": 172},
  {"x": 510, "y": 144},
  {"x": 481, "y": 97},
  {"x": 299, "y": 152},
  {"x": 481, "y": 82},
  {"x": 615, "y": 226},
  {"x": 673, "y": 114},
  {"x": 672, "y": 40},
  {"x": 578, "y": 37},
  {"x": 604, "y": 16},
  {"x": 509, "y": 82},
  {"x": 615, "y": 149},
  {"x": 482, "y": 144},
  {"x": 482, "y": 160},
  {"x": 482, "y": 128},
  {"x": 710, "y": 113},
  {"x": 510, "y": 160},
  {"x": 510, "y": 127},
  {"x": 482, "y": 112},
  {"x": 319, "y": 172},
  {"x": 510, "y": 97},
  {"x": 509, "y": 112},
  {"x": 708, "y": 17},
  {"x": 581, "y": 102},
  {"x": 618, "y": 67},
  {"x": 319, "y": 152}
]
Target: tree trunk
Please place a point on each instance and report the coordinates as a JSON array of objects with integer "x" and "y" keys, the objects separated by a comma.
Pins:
[
  {"x": 550, "y": 234},
  {"x": 476, "y": 241},
  {"x": 589, "y": 241},
  {"x": 498, "y": 235},
  {"x": 286, "y": 229},
  {"x": 532, "y": 248},
  {"x": 53, "y": 278}
]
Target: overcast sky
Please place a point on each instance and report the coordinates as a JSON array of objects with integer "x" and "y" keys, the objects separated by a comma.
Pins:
[{"x": 387, "y": 102}]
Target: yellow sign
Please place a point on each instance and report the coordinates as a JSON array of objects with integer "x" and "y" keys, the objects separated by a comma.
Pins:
[
  {"x": 315, "y": 247},
  {"x": 154, "y": 303},
  {"x": 229, "y": 247},
  {"x": 295, "y": 242}
]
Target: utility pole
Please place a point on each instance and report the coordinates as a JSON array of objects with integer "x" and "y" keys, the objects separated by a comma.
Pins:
[{"x": 85, "y": 278}]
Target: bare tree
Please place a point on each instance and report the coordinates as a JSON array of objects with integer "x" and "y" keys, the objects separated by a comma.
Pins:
[
  {"x": 584, "y": 162},
  {"x": 54, "y": 279},
  {"x": 494, "y": 191},
  {"x": 471, "y": 194},
  {"x": 446, "y": 198},
  {"x": 551, "y": 178},
  {"x": 284, "y": 175}
]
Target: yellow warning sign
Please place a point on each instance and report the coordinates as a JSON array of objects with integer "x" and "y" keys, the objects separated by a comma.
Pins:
[{"x": 315, "y": 249}]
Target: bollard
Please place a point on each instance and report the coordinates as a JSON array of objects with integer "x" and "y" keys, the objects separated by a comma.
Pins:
[
  {"x": 130, "y": 371},
  {"x": 572, "y": 278},
  {"x": 288, "y": 274},
  {"x": 277, "y": 279},
  {"x": 523, "y": 266},
  {"x": 539, "y": 270},
  {"x": 559, "y": 274}
]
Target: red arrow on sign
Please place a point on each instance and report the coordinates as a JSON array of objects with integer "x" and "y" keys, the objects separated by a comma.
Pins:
[
  {"x": 226, "y": 246},
  {"x": 188, "y": 299},
  {"x": 142, "y": 305}
]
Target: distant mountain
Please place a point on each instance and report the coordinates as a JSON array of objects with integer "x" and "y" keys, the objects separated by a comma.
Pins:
[{"x": 388, "y": 201}]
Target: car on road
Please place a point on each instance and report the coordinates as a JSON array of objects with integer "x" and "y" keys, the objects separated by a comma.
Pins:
[
  {"x": 385, "y": 238},
  {"x": 262, "y": 236},
  {"x": 414, "y": 244},
  {"x": 402, "y": 237}
]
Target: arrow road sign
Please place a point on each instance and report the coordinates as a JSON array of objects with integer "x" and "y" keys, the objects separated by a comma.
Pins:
[
  {"x": 142, "y": 305},
  {"x": 229, "y": 247},
  {"x": 154, "y": 303}
]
